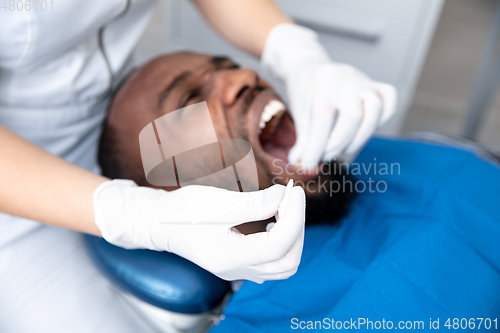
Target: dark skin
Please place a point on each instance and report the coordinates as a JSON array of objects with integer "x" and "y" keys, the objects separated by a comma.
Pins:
[{"x": 236, "y": 98}]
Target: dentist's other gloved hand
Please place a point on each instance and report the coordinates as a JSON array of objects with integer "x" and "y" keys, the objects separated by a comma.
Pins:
[
  {"x": 335, "y": 107},
  {"x": 196, "y": 222}
]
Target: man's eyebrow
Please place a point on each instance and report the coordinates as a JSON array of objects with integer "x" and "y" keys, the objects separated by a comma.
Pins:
[
  {"x": 219, "y": 62},
  {"x": 175, "y": 82}
]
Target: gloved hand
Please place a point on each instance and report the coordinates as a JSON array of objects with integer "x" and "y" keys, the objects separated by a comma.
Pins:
[
  {"x": 335, "y": 107},
  {"x": 196, "y": 222}
]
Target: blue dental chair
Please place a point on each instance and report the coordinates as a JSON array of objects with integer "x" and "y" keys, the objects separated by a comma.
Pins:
[{"x": 171, "y": 293}]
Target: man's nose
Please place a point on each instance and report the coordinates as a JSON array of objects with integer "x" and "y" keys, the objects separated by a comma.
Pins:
[{"x": 236, "y": 82}]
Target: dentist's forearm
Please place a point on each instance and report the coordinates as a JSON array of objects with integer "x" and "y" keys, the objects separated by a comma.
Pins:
[
  {"x": 37, "y": 185},
  {"x": 244, "y": 23}
]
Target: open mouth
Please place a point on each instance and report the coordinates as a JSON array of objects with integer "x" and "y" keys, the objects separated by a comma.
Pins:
[
  {"x": 272, "y": 134},
  {"x": 276, "y": 130}
]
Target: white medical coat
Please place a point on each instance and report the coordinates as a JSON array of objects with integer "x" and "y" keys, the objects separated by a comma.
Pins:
[
  {"x": 55, "y": 81},
  {"x": 54, "y": 77}
]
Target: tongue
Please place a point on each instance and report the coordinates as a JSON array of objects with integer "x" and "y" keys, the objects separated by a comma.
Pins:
[{"x": 285, "y": 133}]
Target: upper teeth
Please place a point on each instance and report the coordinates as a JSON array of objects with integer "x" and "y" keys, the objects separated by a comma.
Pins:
[{"x": 270, "y": 110}]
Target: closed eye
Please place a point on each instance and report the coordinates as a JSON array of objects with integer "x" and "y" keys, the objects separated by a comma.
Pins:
[
  {"x": 193, "y": 94},
  {"x": 242, "y": 91}
]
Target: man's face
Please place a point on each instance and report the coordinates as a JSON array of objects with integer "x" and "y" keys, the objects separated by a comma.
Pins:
[{"x": 236, "y": 98}]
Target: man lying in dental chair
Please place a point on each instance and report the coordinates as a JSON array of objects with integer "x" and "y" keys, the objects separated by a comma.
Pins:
[
  {"x": 408, "y": 233},
  {"x": 239, "y": 102}
]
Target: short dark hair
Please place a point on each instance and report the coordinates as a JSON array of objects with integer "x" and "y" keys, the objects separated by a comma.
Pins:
[
  {"x": 110, "y": 156},
  {"x": 115, "y": 161}
]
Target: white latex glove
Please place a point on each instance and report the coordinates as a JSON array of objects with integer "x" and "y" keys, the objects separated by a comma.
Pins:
[
  {"x": 196, "y": 222},
  {"x": 335, "y": 107}
]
